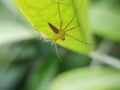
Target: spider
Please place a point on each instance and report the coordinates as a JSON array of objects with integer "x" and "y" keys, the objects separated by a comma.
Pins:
[{"x": 61, "y": 33}]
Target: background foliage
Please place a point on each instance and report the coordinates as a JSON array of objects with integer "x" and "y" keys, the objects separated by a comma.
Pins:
[{"x": 27, "y": 63}]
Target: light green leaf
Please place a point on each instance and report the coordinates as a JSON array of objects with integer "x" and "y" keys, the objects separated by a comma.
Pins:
[
  {"x": 42, "y": 12},
  {"x": 87, "y": 79},
  {"x": 105, "y": 21},
  {"x": 14, "y": 32}
]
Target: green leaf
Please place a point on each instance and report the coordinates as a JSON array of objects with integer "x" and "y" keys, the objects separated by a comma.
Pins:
[
  {"x": 11, "y": 77},
  {"x": 87, "y": 79},
  {"x": 42, "y": 75},
  {"x": 15, "y": 33},
  {"x": 41, "y": 12},
  {"x": 105, "y": 21}
]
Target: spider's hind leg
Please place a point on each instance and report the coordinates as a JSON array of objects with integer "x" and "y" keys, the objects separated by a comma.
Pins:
[{"x": 84, "y": 42}]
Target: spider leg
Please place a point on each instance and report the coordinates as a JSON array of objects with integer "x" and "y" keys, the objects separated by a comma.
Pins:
[
  {"x": 71, "y": 28},
  {"x": 70, "y": 21},
  {"x": 56, "y": 49},
  {"x": 58, "y": 3},
  {"x": 63, "y": 2},
  {"x": 41, "y": 36},
  {"x": 78, "y": 39}
]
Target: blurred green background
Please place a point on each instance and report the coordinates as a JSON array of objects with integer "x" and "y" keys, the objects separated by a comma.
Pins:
[{"x": 28, "y": 63}]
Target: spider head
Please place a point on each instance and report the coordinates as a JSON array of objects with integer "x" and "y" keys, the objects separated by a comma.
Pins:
[{"x": 61, "y": 35}]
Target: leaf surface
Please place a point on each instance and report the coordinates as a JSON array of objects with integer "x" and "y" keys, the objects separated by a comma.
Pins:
[
  {"x": 87, "y": 79},
  {"x": 41, "y": 12},
  {"x": 105, "y": 21}
]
